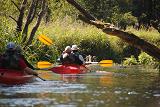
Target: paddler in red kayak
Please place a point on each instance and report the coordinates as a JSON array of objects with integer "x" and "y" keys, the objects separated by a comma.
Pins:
[
  {"x": 20, "y": 54},
  {"x": 77, "y": 56},
  {"x": 67, "y": 56},
  {"x": 10, "y": 60},
  {"x": 72, "y": 56}
]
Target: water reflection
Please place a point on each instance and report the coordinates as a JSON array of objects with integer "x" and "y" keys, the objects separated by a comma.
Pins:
[{"x": 122, "y": 88}]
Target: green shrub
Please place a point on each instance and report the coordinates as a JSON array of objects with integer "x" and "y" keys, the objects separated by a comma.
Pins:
[
  {"x": 145, "y": 59},
  {"x": 130, "y": 61}
]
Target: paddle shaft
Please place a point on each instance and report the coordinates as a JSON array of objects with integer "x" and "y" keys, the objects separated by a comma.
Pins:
[
  {"x": 97, "y": 63},
  {"x": 40, "y": 78}
]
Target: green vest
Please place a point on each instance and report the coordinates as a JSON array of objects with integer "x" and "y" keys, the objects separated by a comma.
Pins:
[{"x": 10, "y": 61}]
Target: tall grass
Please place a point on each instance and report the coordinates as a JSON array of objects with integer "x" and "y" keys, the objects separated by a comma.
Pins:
[
  {"x": 150, "y": 35},
  {"x": 89, "y": 39},
  {"x": 67, "y": 31},
  {"x": 93, "y": 41},
  {"x": 35, "y": 52},
  {"x": 7, "y": 33}
]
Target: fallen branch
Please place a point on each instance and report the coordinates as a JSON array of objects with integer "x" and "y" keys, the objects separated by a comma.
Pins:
[{"x": 109, "y": 29}]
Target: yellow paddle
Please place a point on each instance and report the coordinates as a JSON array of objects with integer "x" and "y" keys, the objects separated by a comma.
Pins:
[
  {"x": 44, "y": 64},
  {"x": 45, "y": 40},
  {"x": 103, "y": 63}
]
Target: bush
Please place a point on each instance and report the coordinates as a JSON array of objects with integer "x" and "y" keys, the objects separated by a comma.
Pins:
[
  {"x": 130, "y": 61},
  {"x": 127, "y": 20},
  {"x": 145, "y": 59}
]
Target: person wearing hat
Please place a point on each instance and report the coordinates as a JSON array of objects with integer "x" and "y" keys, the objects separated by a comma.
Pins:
[
  {"x": 20, "y": 54},
  {"x": 67, "y": 56},
  {"x": 78, "y": 57},
  {"x": 10, "y": 60}
]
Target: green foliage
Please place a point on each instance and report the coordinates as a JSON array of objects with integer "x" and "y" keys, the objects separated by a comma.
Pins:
[
  {"x": 65, "y": 30},
  {"x": 89, "y": 39},
  {"x": 101, "y": 9},
  {"x": 6, "y": 33},
  {"x": 151, "y": 36},
  {"x": 145, "y": 59},
  {"x": 7, "y": 8},
  {"x": 59, "y": 9},
  {"x": 128, "y": 19},
  {"x": 35, "y": 52},
  {"x": 130, "y": 61}
]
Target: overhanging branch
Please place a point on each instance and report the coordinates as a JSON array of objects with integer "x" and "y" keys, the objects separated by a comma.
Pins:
[
  {"x": 126, "y": 36},
  {"x": 82, "y": 10}
]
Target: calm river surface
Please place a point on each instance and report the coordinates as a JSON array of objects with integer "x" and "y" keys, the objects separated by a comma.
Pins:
[{"x": 125, "y": 87}]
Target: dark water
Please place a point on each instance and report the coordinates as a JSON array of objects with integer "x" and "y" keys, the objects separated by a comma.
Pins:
[{"x": 127, "y": 87}]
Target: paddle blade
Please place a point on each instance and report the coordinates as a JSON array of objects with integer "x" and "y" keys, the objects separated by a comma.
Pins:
[
  {"x": 45, "y": 40},
  {"x": 44, "y": 64},
  {"x": 106, "y": 63}
]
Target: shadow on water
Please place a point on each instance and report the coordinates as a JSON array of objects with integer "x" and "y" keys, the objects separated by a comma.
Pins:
[{"x": 107, "y": 87}]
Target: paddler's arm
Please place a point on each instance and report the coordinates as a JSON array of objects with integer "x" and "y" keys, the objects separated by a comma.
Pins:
[
  {"x": 27, "y": 63},
  {"x": 26, "y": 69},
  {"x": 30, "y": 71},
  {"x": 82, "y": 59}
]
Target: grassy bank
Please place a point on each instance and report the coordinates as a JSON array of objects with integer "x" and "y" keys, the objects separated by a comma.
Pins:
[{"x": 91, "y": 41}]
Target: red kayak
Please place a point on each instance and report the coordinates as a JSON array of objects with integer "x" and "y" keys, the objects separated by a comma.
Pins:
[
  {"x": 14, "y": 77},
  {"x": 69, "y": 69}
]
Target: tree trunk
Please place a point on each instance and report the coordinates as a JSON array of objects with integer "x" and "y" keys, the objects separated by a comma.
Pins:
[
  {"x": 40, "y": 16},
  {"x": 30, "y": 17},
  {"x": 130, "y": 38},
  {"x": 21, "y": 15},
  {"x": 34, "y": 7}
]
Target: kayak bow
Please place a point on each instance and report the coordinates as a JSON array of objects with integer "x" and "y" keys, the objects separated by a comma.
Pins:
[{"x": 14, "y": 77}]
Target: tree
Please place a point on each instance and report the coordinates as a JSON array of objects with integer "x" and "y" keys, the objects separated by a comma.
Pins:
[
  {"x": 107, "y": 28},
  {"x": 37, "y": 10},
  {"x": 148, "y": 12}
]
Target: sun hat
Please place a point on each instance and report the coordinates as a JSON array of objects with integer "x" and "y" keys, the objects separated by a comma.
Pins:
[
  {"x": 11, "y": 46},
  {"x": 75, "y": 47},
  {"x": 68, "y": 49}
]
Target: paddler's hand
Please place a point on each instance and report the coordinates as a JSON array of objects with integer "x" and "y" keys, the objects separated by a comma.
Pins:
[
  {"x": 35, "y": 74},
  {"x": 65, "y": 55}
]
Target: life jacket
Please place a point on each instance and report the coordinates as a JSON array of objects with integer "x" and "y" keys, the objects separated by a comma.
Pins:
[
  {"x": 9, "y": 60},
  {"x": 77, "y": 60},
  {"x": 67, "y": 60}
]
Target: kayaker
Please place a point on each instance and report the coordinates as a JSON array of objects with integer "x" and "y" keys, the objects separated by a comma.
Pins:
[
  {"x": 10, "y": 60},
  {"x": 67, "y": 56},
  {"x": 20, "y": 54},
  {"x": 77, "y": 56}
]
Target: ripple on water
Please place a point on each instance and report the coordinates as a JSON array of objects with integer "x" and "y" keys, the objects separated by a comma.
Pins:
[
  {"x": 156, "y": 95},
  {"x": 26, "y": 101},
  {"x": 45, "y": 87}
]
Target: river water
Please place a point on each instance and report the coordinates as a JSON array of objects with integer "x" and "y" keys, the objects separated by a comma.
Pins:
[{"x": 108, "y": 87}]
